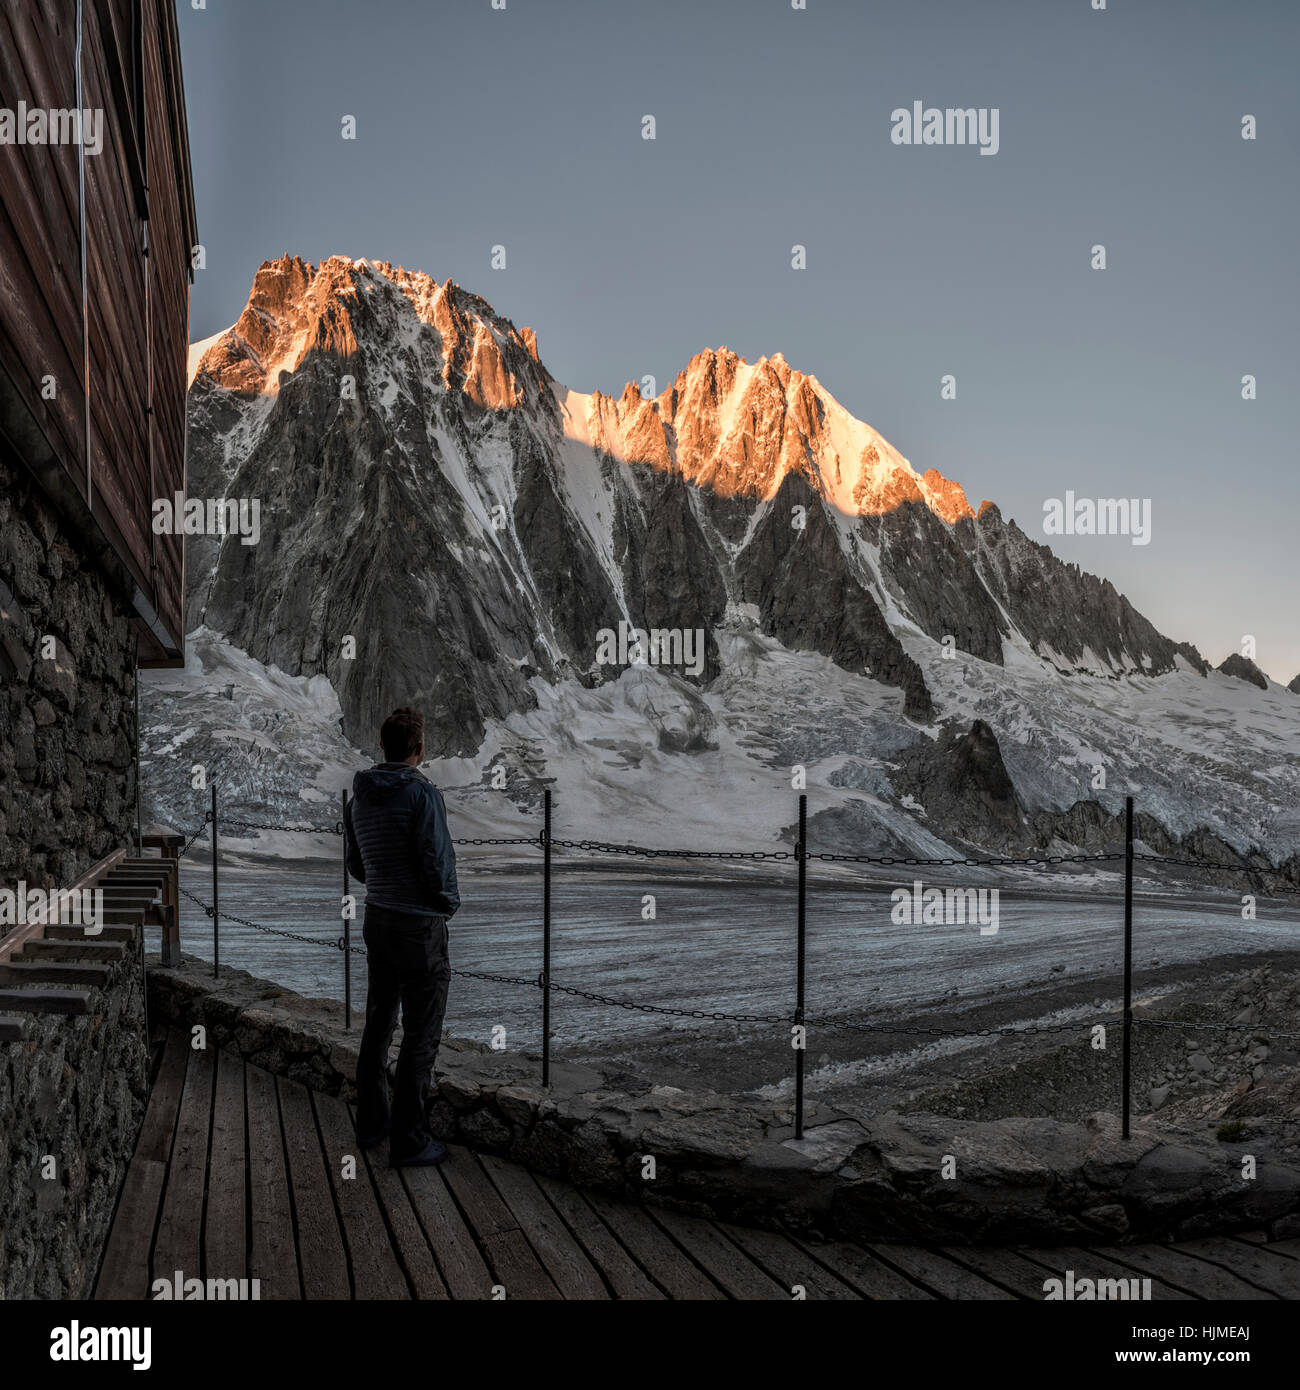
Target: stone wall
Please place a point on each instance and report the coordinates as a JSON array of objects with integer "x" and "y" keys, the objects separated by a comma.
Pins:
[
  {"x": 67, "y": 721},
  {"x": 1013, "y": 1180},
  {"x": 72, "y": 1099}
]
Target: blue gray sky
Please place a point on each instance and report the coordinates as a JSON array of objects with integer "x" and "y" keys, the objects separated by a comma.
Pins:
[{"x": 1120, "y": 127}]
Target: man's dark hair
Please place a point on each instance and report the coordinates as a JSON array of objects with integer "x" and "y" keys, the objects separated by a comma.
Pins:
[{"x": 402, "y": 734}]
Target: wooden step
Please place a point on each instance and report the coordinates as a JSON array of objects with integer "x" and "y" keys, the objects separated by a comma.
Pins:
[
  {"x": 46, "y": 1001},
  {"x": 128, "y": 895},
  {"x": 92, "y": 950},
  {"x": 68, "y": 931},
  {"x": 54, "y": 972},
  {"x": 138, "y": 882},
  {"x": 134, "y": 915},
  {"x": 11, "y": 1030}
]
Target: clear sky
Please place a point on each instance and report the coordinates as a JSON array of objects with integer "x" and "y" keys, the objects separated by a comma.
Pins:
[{"x": 523, "y": 127}]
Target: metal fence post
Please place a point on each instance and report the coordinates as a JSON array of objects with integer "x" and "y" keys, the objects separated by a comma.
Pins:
[
  {"x": 216, "y": 905},
  {"x": 546, "y": 938},
  {"x": 1128, "y": 954},
  {"x": 801, "y": 849},
  {"x": 347, "y": 926}
]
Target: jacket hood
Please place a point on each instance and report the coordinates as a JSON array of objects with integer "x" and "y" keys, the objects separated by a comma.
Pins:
[{"x": 377, "y": 785}]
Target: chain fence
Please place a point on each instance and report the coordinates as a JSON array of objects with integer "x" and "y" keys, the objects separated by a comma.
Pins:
[{"x": 795, "y": 1016}]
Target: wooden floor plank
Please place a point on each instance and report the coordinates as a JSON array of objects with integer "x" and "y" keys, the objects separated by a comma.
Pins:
[
  {"x": 674, "y": 1272},
  {"x": 790, "y": 1264},
  {"x": 412, "y": 1248},
  {"x": 376, "y": 1274},
  {"x": 484, "y": 1209},
  {"x": 124, "y": 1272},
  {"x": 224, "y": 1234},
  {"x": 938, "y": 1274},
  {"x": 1274, "y": 1273},
  {"x": 516, "y": 1270},
  {"x": 1016, "y": 1274},
  {"x": 1290, "y": 1248},
  {"x": 858, "y": 1267},
  {"x": 159, "y": 1127},
  {"x": 1093, "y": 1264},
  {"x": 322, "y": 1257},
  {"x": 621, "y": 1272},
  {"x": 272, "y": 1252},
  {"x": 1186, "y": 1272},
  {"x": 178, "y": 1244},
  {"x": 725, "y": 1263},
  {"x": 461, "y": 1263},
  {"x": 560, "y": 1254}
]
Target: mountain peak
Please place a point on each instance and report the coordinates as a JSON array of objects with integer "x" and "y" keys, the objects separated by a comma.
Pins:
[{"x": 736, "y": 427}]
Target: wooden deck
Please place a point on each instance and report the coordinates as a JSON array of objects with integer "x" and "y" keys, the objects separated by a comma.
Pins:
[{"x": 240, "y": 1174}]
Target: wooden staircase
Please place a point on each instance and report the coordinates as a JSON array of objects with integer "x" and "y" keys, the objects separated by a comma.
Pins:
[{"x": 61, "y": 968}]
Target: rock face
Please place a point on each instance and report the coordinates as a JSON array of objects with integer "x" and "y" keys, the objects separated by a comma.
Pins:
[
  {"x": 431, "y": 493},
  {"x": 961, "y": 780},
  {"x": 442, "y": 523},
  {"x": 1244, "y": 669},
  {"x": 1294, "y": 685},
  {"x": 67, "y": 721}
]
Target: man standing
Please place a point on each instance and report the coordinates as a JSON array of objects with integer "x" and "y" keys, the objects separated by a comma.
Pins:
[{"x": 398, "y": 846}]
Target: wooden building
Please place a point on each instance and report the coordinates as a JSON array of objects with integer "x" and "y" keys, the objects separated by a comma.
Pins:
[{"x": 95, "y": 270}]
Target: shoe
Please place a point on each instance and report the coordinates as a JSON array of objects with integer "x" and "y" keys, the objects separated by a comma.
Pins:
[
  {"x": 430, "y": 1156},
  {"x": 374, "y": 1139}
]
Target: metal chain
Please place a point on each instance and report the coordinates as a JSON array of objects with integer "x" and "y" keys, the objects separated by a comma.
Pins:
[
  {"x": 721, "y": 1016},
  {"x": 1216, "y": 1027},
  {"x": 968, "y": 863},
  {"x": 258, "y": 926},
  {"x": 335, "y": 829},
  {"x": 600, "y": 846},
  {"x": 959, "y": 1032},
  {"x": 1232, "y": 868}
]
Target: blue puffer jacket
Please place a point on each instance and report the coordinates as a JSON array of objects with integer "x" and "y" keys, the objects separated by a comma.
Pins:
[{"x": 397, "y": 841}]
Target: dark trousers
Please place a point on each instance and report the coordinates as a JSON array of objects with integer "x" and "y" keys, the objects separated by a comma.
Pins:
[{"x": 407, "y": 964}]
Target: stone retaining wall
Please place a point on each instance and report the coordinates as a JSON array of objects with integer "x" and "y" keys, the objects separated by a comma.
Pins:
[
  {"x": 735, "y": 1157},
  {"x": 72, "y": 1099}
]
